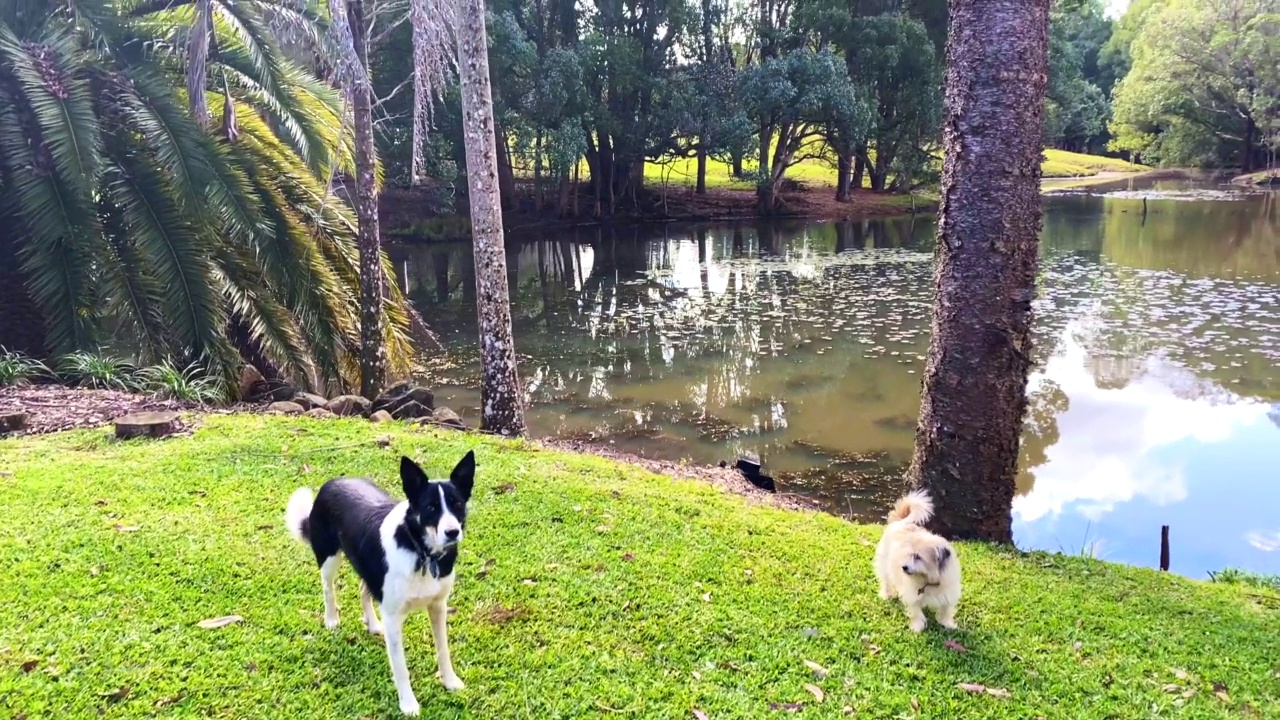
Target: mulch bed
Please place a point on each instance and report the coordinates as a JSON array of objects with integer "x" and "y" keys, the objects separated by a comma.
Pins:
[{"x": 53, "y": 408}]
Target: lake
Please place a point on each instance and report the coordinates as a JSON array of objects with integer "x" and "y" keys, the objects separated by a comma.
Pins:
[{"x": 1155, "y": 399}]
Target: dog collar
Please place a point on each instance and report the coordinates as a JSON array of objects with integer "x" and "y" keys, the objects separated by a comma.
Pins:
[{"x": 928, "y": 585}]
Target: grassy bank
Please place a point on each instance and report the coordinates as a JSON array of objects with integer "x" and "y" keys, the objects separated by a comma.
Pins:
[
  {"x": 588, "y": 589},
  {"x": 407, "y": 216}
]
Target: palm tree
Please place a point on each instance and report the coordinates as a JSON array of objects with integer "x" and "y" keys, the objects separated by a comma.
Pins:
[{"x": 126, "y": 216}]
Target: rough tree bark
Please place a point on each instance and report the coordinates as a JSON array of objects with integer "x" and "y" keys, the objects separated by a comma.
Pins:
[
  {"x": 975, "y": 380},
  {"x": 373, "y": 355},
  {"x": 500, "y": 392}
]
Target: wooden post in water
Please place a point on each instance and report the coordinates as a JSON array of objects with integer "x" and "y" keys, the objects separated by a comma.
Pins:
[{"x": 1164, "y": 548}]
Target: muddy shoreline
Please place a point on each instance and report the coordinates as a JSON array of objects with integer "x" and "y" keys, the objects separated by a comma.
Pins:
[{"x": 57, "y": 408}]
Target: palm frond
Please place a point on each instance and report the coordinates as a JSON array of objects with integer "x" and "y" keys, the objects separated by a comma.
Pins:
[{"x": 171, "y": 244}]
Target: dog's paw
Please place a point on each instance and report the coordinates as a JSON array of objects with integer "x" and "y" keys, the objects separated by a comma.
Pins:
[
  {"x": 409, "y": 706},
  {"x": 375, "y": 627},
  {"x": 917, "y": 624},
  {"x": 949, "y": 624},
  {"x": 453, "y": 683},
  {"x": 331, "y": 622},
  {"x": 885, "y": 594}
]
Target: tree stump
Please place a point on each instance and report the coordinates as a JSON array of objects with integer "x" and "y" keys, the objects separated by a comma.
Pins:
[
  {"x": 148, "y": 424},
  {"x": 12, "y": 422}
]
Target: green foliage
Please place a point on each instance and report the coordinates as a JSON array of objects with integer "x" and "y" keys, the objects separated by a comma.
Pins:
[
  {"x": 1235, "y": 576},
  {"x": 17, "y": 369},
  {"x": 192, "y": 243},
  {"x": 1203, "y": 84},
  {"x": 801, "y": 95},
  {"x": 585, "y": 587},
  {"x": 98, "y": 372},
  {"x": 1076, "y": 107},
  {"x": 187, "y": 384}
]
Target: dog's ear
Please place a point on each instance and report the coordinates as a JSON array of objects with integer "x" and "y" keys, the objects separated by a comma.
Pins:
[
  {"x": 412, "y": 479},
  {"x": 943, "y": 555},
  {"x": 463, "y": 476}
]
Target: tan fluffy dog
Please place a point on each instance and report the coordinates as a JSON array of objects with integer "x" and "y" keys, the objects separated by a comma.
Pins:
[{"x": 917, "y": 566}]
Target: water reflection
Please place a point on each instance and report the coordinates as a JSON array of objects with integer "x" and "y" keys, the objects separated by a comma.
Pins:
[{"x": 1157, "y": 347}]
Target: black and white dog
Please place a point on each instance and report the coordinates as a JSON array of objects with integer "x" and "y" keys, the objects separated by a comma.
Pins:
[{"x": 404, "y": 553}]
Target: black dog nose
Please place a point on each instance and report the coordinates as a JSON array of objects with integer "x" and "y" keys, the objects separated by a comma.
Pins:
[
  {"x": 452, "y": 534},
  {"x": 906, "y": 569}
]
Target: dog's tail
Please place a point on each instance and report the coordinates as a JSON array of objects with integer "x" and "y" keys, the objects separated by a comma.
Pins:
[
  {"x": 915, "y": 507},
  {"x": 297, "y": 514}
]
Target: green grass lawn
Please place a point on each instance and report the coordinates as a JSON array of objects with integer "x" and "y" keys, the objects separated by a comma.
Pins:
[
  {"x": 587, "y": 589},
  {"x": 683, "y": 173}
]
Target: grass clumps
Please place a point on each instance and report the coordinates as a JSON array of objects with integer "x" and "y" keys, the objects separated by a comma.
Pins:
[
  {"x": 587, "y": 589},
  {"x": 166, "y": 381}
]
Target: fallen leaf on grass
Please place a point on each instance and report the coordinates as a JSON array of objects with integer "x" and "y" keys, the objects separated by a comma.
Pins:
[
  {"x": 699, "y": 714},
  {"x": 955, "y": 645},
  {"x": 219, "y": 622},
  {"x": 484, "y": 569},
  {"x": 30, "y": 665},
  {"x": 815, "y": 691},
  {"x": 504, "y": 488},
  {"x": 628, "y": 557},
  {"x": 706, "y": 597},
  {"x": 1172, "y": 688},
  {"x": 265, "y": 527},
  {"x": 811, "y": 632},
  {"x": 983, "y": 689},
  {"x": 165, "y": 702},
  {"x": 1077, "y": 646},
  {"x": 847, "y": 710},
  {"x": 100, "y": 503},
  {"x": 789, "y": 707},
  {"x": 117, "y": 695},
  {"x": 383, "y": 441},
  {"x": 817, "y": 669},
  {"x": 915, "y": 705},
  {"x": 1220, "y": 691},
  {"x": 126, "y": 528},
  {"x": 1181, "y": 674}
]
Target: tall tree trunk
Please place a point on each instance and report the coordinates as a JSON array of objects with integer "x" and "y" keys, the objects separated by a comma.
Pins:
[
  {"x": 500, "y": 393},
  {"x": 701, "y": 188},
  {"x": 373, "y": 355},
  {"x": 844, "y": 166},
  {"x": 859, "y": 167},
  {"x": 764, "y": 180},
  {"x": 506, "y": 173},
  {"x": 975, "y": 381},
  {"x": 1246, "y": 159}
]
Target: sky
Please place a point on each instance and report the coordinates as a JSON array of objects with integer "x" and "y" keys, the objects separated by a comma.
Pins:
[{"x": 1116, "y": 8}]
